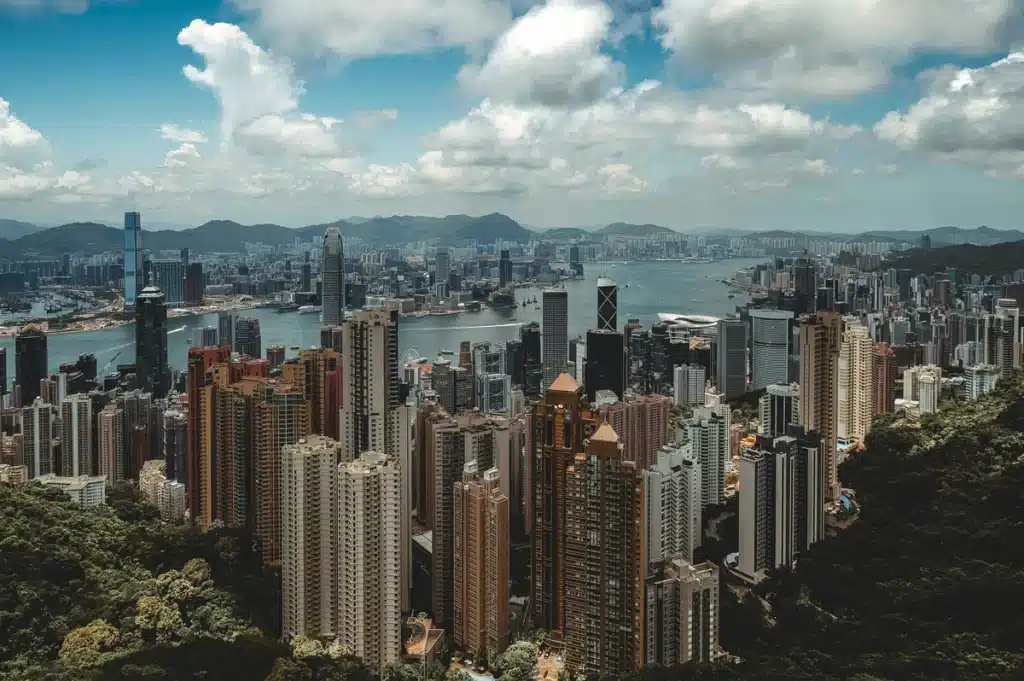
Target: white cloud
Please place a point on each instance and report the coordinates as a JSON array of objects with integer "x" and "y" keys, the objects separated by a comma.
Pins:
[
  {"x": 174, "y": 133},
  {"x": 182, "y": 156},
  {"x": 19, "y": 142},
  {"x": 972, "y": 116},
  {"x": 550, "y": 56},
  {"x": 355, "y": 28},
  {"x": 371, "y": 119},
  {"x": 824, "y": 48}
]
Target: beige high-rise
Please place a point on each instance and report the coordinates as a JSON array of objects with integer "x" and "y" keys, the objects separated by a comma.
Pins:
[
  {"x": 370, "y": 383},
  {"x": 309, "y": 537},
  {"x": 111, "y": 443},
  {"x": 481, "y": 563},
  {"x": 370, "y": 558},
  {"x": 856, "y": 394},
  {"x": 820, "y": 341}
]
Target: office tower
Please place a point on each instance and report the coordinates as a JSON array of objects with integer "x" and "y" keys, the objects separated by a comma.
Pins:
[
  {"x": 883, "y": 379},
  {"x": 682, "y": 613},
  {"x": 504, "y": 270},
  {"x": 779, "y": 409},
  {"x": 306, "y": 277},
  {"x": 247, "y": 337},
  {"x": 331, "y": 337},
  {"x": 76, "y": 436},
  {"x": 169, "y": 277},
  {"x": 309, "y": 538},
  {"x": 332, "y": 274},
  {"x": 453, "y": 386},
  {"x": 781, "y": 508},
  {"x": 555, "y": 331},
  {"x": 481, "y": 554},
  {"x": 805, "y": 278},
  {"x": 194, "y": 283},
  {"x": 533, "y": 372},
  {"x": 111, "y": 443},
  {"x": 369, "y": 580},
  {"x": 1003, "y": 336},
  {"x": 980, "y": 379},
  {"x": 226, "y": 329},
  {"x": 769, "y": 356},
  {"x": 672, "y": 506},
  {"x": 205, "y": 337},
  {"x": 30, "y": 362},
  {"x": 37, "y": 421},
  {"x": 370, "y": 383},
  {"x": 607, "y": 305},
  {"x": 820, "y": 340},
  {"x": 709, "y": 434},
  {"x": 731, "y": 356},
  {"x": 603, "y": 547},
  {"x": 3, "y": 372},
  {"x": 930, "y": 386},
  {"x": 133, "y": 275},
  {"x": 606, "y": 363},
  {"x": 559, "y": 425},
  {"x": 442, "y": 266},
  {"x": 275, "y": 355},
  {"x": 493, "y": 393},
  {"x": 175, "y": 443},
  {"x": 688, "y": 382},
  {"x": 856, "y": 399},
  {"x": 151, "y": 371},
  {"x": 185, "y": 256}
]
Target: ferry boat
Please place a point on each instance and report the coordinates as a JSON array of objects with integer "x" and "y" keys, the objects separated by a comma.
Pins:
[{"x": 309, "y": 309}]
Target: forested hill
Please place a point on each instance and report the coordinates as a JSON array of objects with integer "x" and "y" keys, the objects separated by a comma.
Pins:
[{"x": 927, "y": 585}]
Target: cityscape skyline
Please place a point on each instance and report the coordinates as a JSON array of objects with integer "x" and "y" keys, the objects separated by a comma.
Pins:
[{"x": 633, "y": 115}]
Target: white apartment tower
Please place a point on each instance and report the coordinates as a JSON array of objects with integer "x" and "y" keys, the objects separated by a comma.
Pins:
[
  {"x": 856, "y": 395},
  {"x": 76, "y": 435},
  {"x": 709, "y": 436},
  {"x": 672, "y": 505},
  {"x": 370, "y": 557},
  {"x": 309, "y": 538},
  {"x": 688, "y": 381},
  {"x": 37, "y": 428}
]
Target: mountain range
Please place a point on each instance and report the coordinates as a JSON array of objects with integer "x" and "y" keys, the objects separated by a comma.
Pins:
[{"x": 940, "y": 236}]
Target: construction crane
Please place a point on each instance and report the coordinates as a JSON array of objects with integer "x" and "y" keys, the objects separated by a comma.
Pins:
[{"x": 103, "y": 371}]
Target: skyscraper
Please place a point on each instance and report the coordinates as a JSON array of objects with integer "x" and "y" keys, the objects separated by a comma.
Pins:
[
  {"x": 883, "y": 378},
  {"x": 111, "y": 443},
  {"x": 226, "y": 322},
  {"x": 820, "y": 341},
  {"x": 76, "y": 436},
  {"x": 133, "y": 275},
  {"x": 504, "y": 270},
  {"x": 605, "y": 363},
  {"x": 856, "y": 401},
  {"x": 371, "y": 382},
  {"x": 604, "y": 559},
  {"x": 770, "y": 338},
  {"x": 731, "y": 354},
  {"x": 555, "y": 332},
  {"x": 607, "y": 305},
  {"x": 37, "y": 438},
  {"x": 151, "y": 370},
  {"x": 247, "y": 337},
  {"x": 779, "y": 409},
  {"x": 442, "y": 266},
  {"x": 672, "y": 513},
  {"x": 30, "y": 362},
  {"x": 369, "y": 580},
  {"x": 169, "y": 277},
  {"x": 3, "y": 372},
  {"x": 709, "y": 434},
  {"x": 332, "y": 273}
]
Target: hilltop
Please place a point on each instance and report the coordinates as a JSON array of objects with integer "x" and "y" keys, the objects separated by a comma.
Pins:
[
  {"x": 12, "y": 229},
  {"x": 999, "y": 259},
  {"x": 627, "y": 229}
]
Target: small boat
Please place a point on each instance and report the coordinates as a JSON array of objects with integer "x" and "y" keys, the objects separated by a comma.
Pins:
[
  {"x": 731, "y": 296},
  {"x": 308, "y": 309},
  {"x": 446, "y": 352},
  {"x": 295, "y": 347}
]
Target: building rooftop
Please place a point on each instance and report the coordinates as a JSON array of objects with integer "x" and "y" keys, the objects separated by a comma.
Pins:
[
  {"x": 564, "y": 384},
  {"x": 605, "y": 434}
]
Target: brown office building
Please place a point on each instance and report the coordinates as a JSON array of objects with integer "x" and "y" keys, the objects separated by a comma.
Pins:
[
  {"x": 605, "y": 559},
  {"x": 821, "y": 338},
  {"x": 559, "y": 424},
  {"x": 481, "y": 549}
]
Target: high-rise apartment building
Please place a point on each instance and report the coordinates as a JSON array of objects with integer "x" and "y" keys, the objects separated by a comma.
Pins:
[
  {"x": 37, "y": 422},
  {"x": 442, "y": 266},
  {"x": 779, "y": 409},
  {"x": 369, "y": 580},
  {"x": 883, "y": 379},
  {"x": 111, "y": 443},
  {"x": 76, "y": 436},
  {"x": 555, "y": 332},
  {"x": 688, "y": 381},
  {"x": 481, "y": 555},
  {"x": 682, "y": 613},
  {"x": 672, "y": 506},
  {"x": 781, "y": 508},
  {"x": 199, "y": 487},
  {"x": 604, "y": 559},
  {"x": 731, "y": 355},
  {"x": 134, "y": 279},
  {"x": 709, "y": 434},
  {"x": 821, "y": 337},
  {"x": 770, "y": 341},
  {"x": 980, "y": 379},
  {"x": 30, "y": 363},
  {"x": 152, "y": 372},
  {"x": 559, "y": 426},
  {"x": 310, "y": 554},
  {"x": 856, "y": 398},
  {"x": 641, "y": 423},
  {"x": 175, "y": 444},
  {"x": 332, "y": 273},
  {"x": 607, "y": 305},
  {"x": 371, "y": 382}
]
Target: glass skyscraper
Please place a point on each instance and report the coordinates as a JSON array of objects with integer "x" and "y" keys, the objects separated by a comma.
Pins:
[{"x": 132, "y": 258}]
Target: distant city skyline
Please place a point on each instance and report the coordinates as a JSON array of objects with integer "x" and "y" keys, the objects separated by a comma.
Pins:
[{"x": 266, "y": 111}]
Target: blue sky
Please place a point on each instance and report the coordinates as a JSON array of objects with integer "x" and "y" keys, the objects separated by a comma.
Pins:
[{"x": 804, "y": 114}]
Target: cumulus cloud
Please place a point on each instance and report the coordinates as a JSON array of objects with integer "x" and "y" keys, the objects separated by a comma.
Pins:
[
  {"x": 174, "y": 133},
  {"x": 824, "y": 48},
  {"x": 355, "y": 28},
  {"x": 19, "y": 142},
  {"x": 972, "y": 116}
]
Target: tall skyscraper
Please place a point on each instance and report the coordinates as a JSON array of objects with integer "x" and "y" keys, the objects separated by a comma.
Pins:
[
  {"x": 607, "y": 305},
  {"x": 820, "y": 340},
  {"x": 555, "y": 332},
  {"x": 226, "y": 322},
  {"x": 151, "y": 370},
  {"x": 883, "y": 378},
  {"x": 76, "y": 436},
  {"x": 371, "y": 381},
  {"x": 175, "y": 441},
  {"x": 442, "y": 266},
  {"x": 688, "y": 381},
  {"x": 504, "y": 270},
  {"x": 672, "y": 506},
  {"x": 481, "y": 549},
  {"x": 133, "y": 274},
  {"x": 604, "y": 547},
  {"x": 769, "y": 356},
  {"x": 731, "y": 355},
  {"x": 558, "y": 427},
  {"x": 37, "y": 421},
  {"x": 169, "y": 277},
  {"x": 709, "y": 434},
  {"x": 247, "y": 337},
  {"x": 369, "y": 580},
  {"x": 309, "y": 536},
  {"x": 682, "y": 613},
  {"x": 30, "y": 362},
  {"x": 856, "y": 401},
  {"x": 332, "y": 273},
  {"x": 3, "y": 372},
  {"x": 779, "y": 409},
  {"x": 606, "y": 363},
  {"x": 111, "y": 443}
]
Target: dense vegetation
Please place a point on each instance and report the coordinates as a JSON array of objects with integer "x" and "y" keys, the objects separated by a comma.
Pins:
[
  {"x": 927, "y": 585},
  {"x": 998, "y": 259},
  {"x": 111, "y": 594}
]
